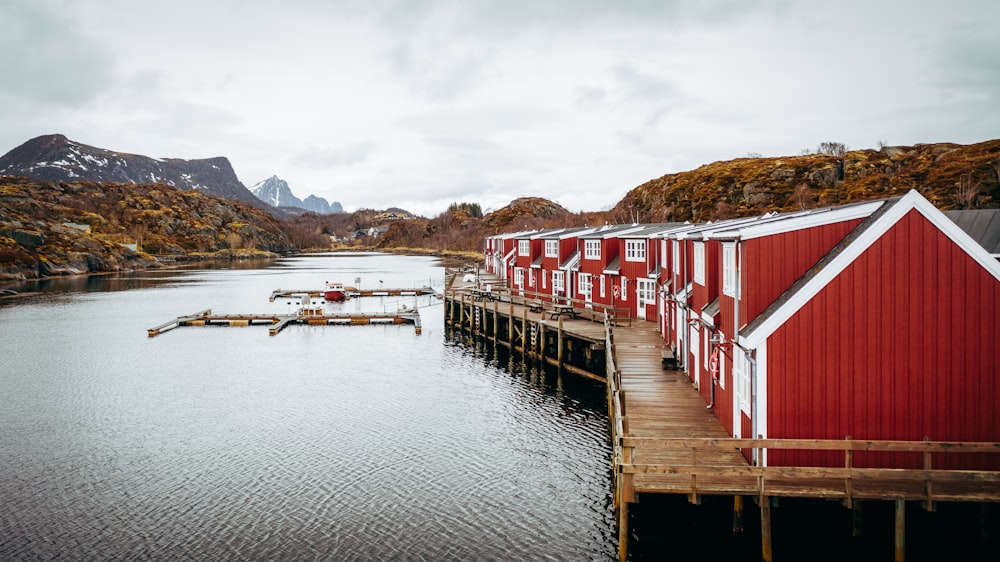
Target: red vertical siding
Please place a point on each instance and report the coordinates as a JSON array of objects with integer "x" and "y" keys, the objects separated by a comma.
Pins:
[
  {"x": 901, "y": 345},
  {"x": 772, "y": 263}
]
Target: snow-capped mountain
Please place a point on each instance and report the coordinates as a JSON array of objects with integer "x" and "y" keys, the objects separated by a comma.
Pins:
[
  {"x": 275, "y": 192},
  {"x": 56, "y": 158}
]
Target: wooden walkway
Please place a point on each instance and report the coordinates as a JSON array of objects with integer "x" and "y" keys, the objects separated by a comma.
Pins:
[{"x": 667, "y": 441}]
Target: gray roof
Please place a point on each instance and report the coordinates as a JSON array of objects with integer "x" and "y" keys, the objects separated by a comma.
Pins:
[{"x": 983, "y": 225}]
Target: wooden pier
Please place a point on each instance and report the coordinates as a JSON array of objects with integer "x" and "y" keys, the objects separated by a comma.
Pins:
[
  {"x": 666, "y": 441},
  {"x": 352, "y": 292},
  {"x": 277, "y": 322}
]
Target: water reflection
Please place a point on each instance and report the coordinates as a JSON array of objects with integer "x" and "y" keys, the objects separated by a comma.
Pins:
[{"x": 321, "y": 443}]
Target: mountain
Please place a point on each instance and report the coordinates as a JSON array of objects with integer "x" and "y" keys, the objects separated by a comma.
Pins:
[
  {"x": 951, "y": 176},
  {"x": 56, "y": 158},
  {"x": 68, "y": 228},
  {"x": 275, "y": 192}
]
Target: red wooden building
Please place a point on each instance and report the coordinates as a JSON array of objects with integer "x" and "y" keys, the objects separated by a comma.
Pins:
[{"x": 876, "y": 321}]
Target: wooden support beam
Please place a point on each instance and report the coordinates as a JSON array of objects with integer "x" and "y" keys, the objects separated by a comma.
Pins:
[
  {"x": 766, "y": 547},
  {"x": 737, "y": 514},
  {"x": 900, "y": 534}
]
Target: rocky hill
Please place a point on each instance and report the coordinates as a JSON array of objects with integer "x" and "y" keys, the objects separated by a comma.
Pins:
[
  {"x": 56, "y": 158},
  {"x": 275, "y": 192},
  {"x": 54, "y": 228},
  {"x": 951, "y": 176}
]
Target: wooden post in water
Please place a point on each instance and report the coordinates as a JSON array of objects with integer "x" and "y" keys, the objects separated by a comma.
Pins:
[
  {"x": 737, "y": 514},
  {"x": 559, "y": 342},
  {"x": 900, "y": 538},
  {"x": 766, "y": 552},
  {"x": 461, "y": 313},
  {"x": 495, "y": 328},
  {"x": 524, "y": 329},
  {"x": 510, "y": 325},
  {"x": 540, "y": 349}
]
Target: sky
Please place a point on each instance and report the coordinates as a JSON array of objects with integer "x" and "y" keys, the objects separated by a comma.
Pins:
[{"x": 418, "y": 104}]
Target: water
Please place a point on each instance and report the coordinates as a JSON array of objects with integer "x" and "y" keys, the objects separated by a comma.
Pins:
[{"x": 320, "y": 443}]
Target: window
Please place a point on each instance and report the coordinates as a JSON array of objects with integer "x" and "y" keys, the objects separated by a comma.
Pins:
[
  {"x": 624, "y": 289},
  {"x": 558, "y": 282},
  {"x": 586, "y": 286},
  {"x": 699, "y": 263},
  {"x": 603, "y": 286},
  {"x": 741, "y": 380},
  {"x": 592, "y": 249},
  {"x": 531, "y": 278},
  {"x": 635, "y": 250},
  {"x": 519, "y": 276},
  {"x": 645, "y": 291},
  {"x": 677, "y": 256},
  {"x": 729, "y": 269},
  {"x": 543, "y": 276},
  {"x": 552, "y": 248},
  {"x": 523, "y": 248}
]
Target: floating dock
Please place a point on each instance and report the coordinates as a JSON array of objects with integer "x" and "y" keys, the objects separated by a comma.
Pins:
[
  {"x": 278, "y": 322},
  {"x": 353, "y": 292}
]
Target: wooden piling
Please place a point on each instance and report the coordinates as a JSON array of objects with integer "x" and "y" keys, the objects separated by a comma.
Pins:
[
  {"x": 899, "y": 543},
  {"x": 766, "y": 548},
  {"x": 737, "y": 514}
]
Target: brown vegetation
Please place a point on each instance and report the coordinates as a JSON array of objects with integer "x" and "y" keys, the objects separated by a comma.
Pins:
[{"x": 949, "y": 175}]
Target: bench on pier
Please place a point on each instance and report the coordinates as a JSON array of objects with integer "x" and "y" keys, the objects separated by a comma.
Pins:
[
  {"x": 668, "y": 359},
  {"x": 561, "y": 309},
  {"x": 483, "y": 295},
  {"x": 535, "y": 305}
]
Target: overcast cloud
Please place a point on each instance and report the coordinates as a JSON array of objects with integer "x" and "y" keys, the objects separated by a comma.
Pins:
[{"x": 417, "y": 104}]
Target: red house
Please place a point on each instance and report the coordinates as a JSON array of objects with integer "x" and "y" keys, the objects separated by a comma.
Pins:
[
  {"x": 886, "y": 328},
  {"x": 598, "y": 277}
]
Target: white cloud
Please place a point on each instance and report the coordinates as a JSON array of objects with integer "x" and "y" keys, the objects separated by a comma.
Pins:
[{"x": 419, "y": 103}]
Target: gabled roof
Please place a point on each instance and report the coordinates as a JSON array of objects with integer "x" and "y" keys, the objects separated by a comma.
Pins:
[
  {"x": 565, "y": 233},
  {"x": 653, "y": 230},
  {"x": 537, "y": 263},
  {"x": 611, "y": 231},
  {"x": 983, "y": 225},
  {"x": 778, "y": 223},
  {"x": 572, "y": 262},
  {"x": 541, "y": 234},
  {"x": 848, "y": 250}
]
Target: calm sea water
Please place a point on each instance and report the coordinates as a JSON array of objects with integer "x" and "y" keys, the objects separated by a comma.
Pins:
[{"x": 320, "y": 443}]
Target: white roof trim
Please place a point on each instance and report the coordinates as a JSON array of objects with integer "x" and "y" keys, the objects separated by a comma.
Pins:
[
  {"x": 911, "y": 201},
  {"x": 779, "y": 224}
]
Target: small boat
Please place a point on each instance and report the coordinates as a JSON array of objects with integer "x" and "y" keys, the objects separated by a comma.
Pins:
[{"x": 335, "y": 292}]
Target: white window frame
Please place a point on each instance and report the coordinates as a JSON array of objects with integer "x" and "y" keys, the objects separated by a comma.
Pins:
[
  {"x": 699, "y": 263},
  {"x": 635, "y": 250},
  {"x": 624, "y": 290},
  {"x": 585, "y": 284},
  {"x": 519, "y": 277},
  {"x": 552, "y": 248},
  {"x": 524, "y": 247},
  {"x": 604, "y": 284},
  {"x": 729, "y": 269},
  {"x": 645, "y": 291},
  {"x": 722, "y": 369},
  {"x": 558, "y": 282},
  {"x": 542, "y": 275},
  {"x": 592, "y": 249},
  {"x": 677, "y": 256},
  {"x": 707, "y": 342},
  {"x": 531, "y": 278},
  {"x": 741, "y": 380}
]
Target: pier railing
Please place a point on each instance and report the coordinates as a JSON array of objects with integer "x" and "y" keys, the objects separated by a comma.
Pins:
[{"x": 692, "y": 460}]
